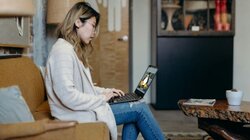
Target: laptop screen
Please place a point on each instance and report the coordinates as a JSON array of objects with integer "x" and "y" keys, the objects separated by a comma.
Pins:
[{"x": 146, "y": 80}]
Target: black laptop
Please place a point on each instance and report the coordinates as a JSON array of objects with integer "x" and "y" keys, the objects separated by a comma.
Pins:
[{"x": 140, "y": 90}]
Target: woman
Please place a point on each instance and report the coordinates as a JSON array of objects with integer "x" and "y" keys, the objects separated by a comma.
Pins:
[{"x": 71, "y": 93}]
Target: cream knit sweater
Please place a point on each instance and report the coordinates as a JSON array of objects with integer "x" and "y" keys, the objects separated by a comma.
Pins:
[{"x": 71, "y": 93}]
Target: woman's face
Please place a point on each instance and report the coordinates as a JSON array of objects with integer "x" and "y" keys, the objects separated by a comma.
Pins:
[{"x": 87, "y": 30}]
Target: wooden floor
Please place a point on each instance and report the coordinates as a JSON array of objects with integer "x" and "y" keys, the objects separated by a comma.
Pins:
[{"x": 175, "y": 121}]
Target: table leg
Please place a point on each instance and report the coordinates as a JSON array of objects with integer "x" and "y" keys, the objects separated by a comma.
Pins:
[{"x": 228, "y": 130}]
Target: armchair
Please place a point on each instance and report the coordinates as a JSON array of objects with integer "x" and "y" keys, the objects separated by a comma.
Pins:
[{"x": 23, "y": 72}]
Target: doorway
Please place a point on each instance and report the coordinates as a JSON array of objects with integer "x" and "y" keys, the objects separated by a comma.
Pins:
[{"x": 111, "y": 57}]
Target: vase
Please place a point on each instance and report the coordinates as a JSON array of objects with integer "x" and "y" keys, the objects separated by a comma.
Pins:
[
  {"x": 187, "y": 20},
  {"x": 170, "y": 10}
]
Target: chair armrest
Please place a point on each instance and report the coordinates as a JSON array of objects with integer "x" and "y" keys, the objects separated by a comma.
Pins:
[
  {"x": 32, "y": 128},
  {"x": 92, "y": 131},
  {"x": 81, "y": 131}
]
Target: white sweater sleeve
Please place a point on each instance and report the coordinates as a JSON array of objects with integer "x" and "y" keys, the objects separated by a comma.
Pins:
[
  {"x": 61, "y": 69},
  {"x": 101, "y": 90}
]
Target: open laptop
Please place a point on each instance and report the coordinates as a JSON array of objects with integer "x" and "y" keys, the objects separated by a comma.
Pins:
[{"x": 140, "y": 90}]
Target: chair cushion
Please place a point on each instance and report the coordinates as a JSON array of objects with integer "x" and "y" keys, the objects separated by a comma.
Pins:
[
  {"x": 13, "y": 107},
  {"x": 42, "y": 111},
  {"x": 23, "y": 72}
]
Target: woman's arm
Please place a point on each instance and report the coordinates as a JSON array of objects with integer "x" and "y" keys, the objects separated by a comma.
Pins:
[
  {"x": 101, "y": 90},
  {"x": 60, "y": 69},
  {"x": 114, "y": 91}
]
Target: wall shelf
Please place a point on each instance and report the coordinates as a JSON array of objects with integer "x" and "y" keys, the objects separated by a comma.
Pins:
[
  {"x": 192, "y": 64},
  {"x": 193, "y": 13},
  {"x": 13, "y": 50}
]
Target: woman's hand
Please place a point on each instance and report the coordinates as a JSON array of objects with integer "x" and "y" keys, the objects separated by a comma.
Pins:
[
  {"x": 113, "y": 93},
  {"x": 118, "y": 92}
]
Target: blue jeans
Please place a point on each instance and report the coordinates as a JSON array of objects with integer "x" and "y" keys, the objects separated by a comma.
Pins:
[{"x": 136, "y": 117}]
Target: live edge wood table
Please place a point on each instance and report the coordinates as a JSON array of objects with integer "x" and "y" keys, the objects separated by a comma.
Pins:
[{"x": 221, "y": 121}]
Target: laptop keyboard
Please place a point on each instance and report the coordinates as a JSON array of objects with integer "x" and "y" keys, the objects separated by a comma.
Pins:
[{"x": 125, "y": 98}]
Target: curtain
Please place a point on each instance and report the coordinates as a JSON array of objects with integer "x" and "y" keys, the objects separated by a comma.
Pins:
[{"x": 40, "y": 50}]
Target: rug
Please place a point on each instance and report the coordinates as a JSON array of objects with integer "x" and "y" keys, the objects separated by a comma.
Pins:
[
  {"x": 187, "y": 136},
  {"x": 181, "y": 136}
]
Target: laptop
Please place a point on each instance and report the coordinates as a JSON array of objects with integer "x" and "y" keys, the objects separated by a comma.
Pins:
[{"x": 141, "y": 88}]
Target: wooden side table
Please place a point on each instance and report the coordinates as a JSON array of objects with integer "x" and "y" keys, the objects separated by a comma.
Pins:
[{"x": 221, "y": 121}]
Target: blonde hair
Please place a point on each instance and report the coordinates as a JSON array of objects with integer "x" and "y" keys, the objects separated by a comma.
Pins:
[{"x": 67, "y": 29}]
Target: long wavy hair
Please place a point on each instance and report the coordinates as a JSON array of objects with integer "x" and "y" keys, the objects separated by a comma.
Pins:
[{"x": 67, "y": 29}]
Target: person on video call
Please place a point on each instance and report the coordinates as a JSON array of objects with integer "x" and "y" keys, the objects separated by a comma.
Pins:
[{"x": 71, "y": 93}]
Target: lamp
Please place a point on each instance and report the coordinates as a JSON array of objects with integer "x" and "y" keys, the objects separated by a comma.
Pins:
[
  {"x": 192, "y": 5},
  {"x": 16, "y": 8}
]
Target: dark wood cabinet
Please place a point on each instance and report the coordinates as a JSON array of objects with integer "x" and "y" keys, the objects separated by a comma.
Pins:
[{"x": 191, "y": 64}]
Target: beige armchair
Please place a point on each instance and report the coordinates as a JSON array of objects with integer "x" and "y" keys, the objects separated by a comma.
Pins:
[
  {"x": 23, "y": 72},
  {"x": 54, "y": 130}
]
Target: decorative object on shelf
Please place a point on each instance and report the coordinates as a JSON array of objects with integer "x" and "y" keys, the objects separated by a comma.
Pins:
[
  {"x": 198, "y": 11},
  {"x": 195, "y": 5},
  {"x": 217, "y": 16},
  {"x": 177, "y": 20},
  {"x": 224, "y": 19},
  {"x": 221, "y": 16},
  {"x": 187, "y": 19},
  {"x": 223, "y": 8},
  {"x": 169, "y": 6}
]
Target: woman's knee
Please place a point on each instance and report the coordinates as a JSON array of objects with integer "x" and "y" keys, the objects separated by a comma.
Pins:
[{"x": 141, "y": 107}]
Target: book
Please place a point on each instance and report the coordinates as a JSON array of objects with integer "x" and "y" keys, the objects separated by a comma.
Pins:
[{"x": 201, "y": 102}]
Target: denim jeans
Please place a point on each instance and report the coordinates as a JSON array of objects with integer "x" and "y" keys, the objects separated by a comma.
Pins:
[{"x": 136, "y": 117}]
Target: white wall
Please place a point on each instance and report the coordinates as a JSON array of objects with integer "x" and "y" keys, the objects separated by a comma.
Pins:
[
  {"x": 242, "y": 48},
  {"x": 141, "y": 41}
]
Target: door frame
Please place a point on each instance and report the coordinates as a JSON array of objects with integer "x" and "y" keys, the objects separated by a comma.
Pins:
[{"x": 130, "y": 45}]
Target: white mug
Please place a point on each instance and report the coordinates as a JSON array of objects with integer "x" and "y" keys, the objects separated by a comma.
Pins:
[{"x": 234, "y": 97}]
